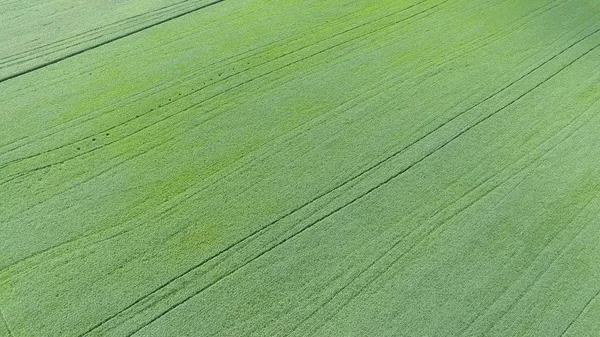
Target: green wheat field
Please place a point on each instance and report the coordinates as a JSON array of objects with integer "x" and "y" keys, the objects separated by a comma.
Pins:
[{"x": 300, "y": 168}]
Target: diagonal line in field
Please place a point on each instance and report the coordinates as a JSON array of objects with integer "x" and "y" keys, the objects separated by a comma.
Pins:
[{"x": 78, "y": 52}]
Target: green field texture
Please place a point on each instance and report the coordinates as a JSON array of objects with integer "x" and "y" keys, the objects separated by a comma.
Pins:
[{"x": 289, "y": 168}]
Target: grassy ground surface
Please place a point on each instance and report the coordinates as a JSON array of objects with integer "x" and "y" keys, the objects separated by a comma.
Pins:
[{"x": 324, "y": 168}]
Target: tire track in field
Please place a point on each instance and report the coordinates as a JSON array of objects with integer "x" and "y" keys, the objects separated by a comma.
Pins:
[
  {"x": 242, "y": 167},
  {"x": 470, "y": 127},
  {"x": 395, "y": 154},
  {"x": 460, "y": 211},
  {"x": 252, "y": 79},
  {"x": 386, "y": 253},
  {"x": 369, "y": 191},
  {"x": 540, "y": 274},
  {"x": 253, "y": 52},
  {"x": 236, "y": 243},
  {"x": 526, "y": 20},
  {"x": 10, "y": 333},
  {"x": 122, "y": 36},
  {"x": 226, "y": 78},
  {"x": 220, "y": 80},
  {"x": 535, "y": 281},
  {"x": 203, "y": 188},
  {"x": 391, "y": 85},
  {"x": 294, "y": 51},
  {"x": 150, "y": 111},
  {"x": 303, "y": 125},
  {"x": 57, "y": 45},
  {"x": 198, "y": 70},
  {"x": 103, "y": 43},
  {"x": 581, "y": 312}
]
